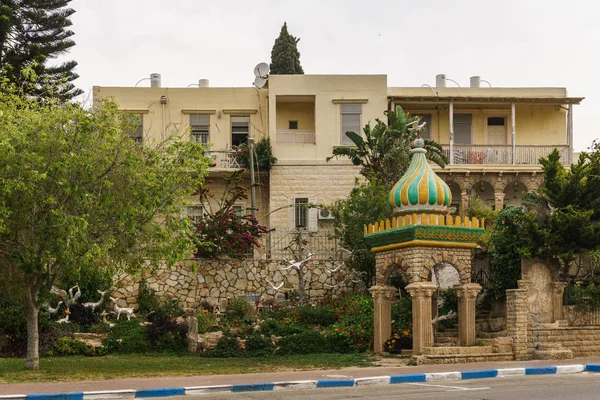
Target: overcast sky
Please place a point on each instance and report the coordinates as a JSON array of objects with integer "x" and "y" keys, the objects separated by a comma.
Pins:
[{"x": 510, "y": 43}]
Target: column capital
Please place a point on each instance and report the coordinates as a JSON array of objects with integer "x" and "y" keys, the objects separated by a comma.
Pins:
[
  {"x": 421, "y": 289},
  {"x": 383, "y": 292},
  {"x": 468, "y": 290},
  {"x": 499, "y": 195},
  {"x": 524, "y": 284},
  {"x": 559, "y": 287}
]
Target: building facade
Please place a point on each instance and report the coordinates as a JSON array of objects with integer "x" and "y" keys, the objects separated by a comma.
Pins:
[{"x": 493, "y": 137}]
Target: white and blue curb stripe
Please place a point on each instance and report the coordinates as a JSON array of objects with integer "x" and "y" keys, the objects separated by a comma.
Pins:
[{"x": 309, "y": 384}]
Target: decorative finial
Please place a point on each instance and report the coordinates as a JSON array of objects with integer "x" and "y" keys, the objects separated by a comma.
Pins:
[{"x": 418, "y": 143}]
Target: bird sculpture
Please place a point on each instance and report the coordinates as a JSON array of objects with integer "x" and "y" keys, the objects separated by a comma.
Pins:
[
  {"x": 53, "y": 311},
  {"x": 296, "y": 264}
]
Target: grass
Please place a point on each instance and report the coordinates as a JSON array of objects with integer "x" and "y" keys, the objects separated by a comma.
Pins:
[{"x": 53, "y": 369}]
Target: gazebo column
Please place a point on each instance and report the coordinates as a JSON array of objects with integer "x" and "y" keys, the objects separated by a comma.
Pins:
[
  {"x": 499, "y": 200},
  {"x": 421, "y": 293},
  {"x": 382, "y": 304},
  {"x": 467, "y": 295}
]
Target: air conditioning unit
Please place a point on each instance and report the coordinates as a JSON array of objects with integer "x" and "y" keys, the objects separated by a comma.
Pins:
[{"x": 325, "y": 213}]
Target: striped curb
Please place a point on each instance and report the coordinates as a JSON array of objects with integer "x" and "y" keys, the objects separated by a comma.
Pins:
[{"x": 309, "y": 384}]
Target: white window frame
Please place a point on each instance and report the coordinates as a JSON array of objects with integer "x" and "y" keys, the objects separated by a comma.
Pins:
[
  {"x": 311, "y": 214},
  {"x": 342, "y": 113},
  {"x": 231, "y": 122},
  {"x": 195, "y": 213}
]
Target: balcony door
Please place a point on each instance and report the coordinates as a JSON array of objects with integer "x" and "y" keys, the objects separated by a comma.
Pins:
[{"x": 496, "y": 130}]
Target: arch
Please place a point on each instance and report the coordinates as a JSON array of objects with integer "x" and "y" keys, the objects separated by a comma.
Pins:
[
  {"x": 397, "y": 264},
  {"x": 456, "y": 191},
  {"x": 485, "y": 191},
  {"x": 514, "y": 192},
  {"x": 445, "y": 257}
]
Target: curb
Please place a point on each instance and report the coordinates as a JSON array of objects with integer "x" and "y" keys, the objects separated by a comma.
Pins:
[{"x": 309, "y": 384}]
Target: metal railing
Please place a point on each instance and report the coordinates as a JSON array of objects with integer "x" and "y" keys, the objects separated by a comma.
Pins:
[
  {"x": 295, "y": 136},
  {"x": 483, "y": 278},
  {"x": 274, "y": 246},
  {"x": 501, "y": 154},
  {"x": 225, "y": 158}
]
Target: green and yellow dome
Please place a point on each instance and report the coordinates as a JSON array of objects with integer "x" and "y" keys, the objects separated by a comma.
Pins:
[{"x": 420, "y": 189}]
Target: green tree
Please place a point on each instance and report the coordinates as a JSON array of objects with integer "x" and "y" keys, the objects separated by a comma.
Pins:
[
  {"x": 31, "y": 33},
  {"x": 367, "y": 202},
  {"x": 285, "y": 57},
  {"x": 384, "y": 150},
  {"x": 77, "y": 193}
]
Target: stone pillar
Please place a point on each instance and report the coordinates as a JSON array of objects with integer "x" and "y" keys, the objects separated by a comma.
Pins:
[
  {"x": 467, "y": 294},
  {"x": 192, "y": 330},
  {"x": 499, "y": 200},
  {"x": 382, "y": 302},
  {"x": 558, "y": 288},
  {"x": 421, "y": 293},
  {"x": 517, "y": 321},
  {"x": 464, "y": 202}
]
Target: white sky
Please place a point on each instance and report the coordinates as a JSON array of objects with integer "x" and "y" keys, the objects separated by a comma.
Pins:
[{"x": 510, "y": 43}]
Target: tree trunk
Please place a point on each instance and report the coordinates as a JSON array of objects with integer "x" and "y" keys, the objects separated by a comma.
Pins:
[
  {"x": 301, "y": 294},
  {"x": 33, "y": 337}
]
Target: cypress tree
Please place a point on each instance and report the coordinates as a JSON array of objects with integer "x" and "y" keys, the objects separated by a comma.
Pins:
[
  {"x": 285, "y": 57},
  {"x": 31, "y": 33}
]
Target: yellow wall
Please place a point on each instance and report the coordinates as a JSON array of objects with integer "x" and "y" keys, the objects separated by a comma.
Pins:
[
  {"x": 303, "y": 112},
  {"x": 370, "y": 89},
  {"x": 213, "y": 101},
  {"x": 535, "y": 124}
]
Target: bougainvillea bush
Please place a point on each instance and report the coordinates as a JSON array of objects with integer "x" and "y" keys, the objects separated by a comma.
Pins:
[{"x": 223, "y": 230}]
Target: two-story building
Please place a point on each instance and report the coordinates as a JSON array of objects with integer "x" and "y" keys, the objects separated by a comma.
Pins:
[{"x": 493, "y": 137}]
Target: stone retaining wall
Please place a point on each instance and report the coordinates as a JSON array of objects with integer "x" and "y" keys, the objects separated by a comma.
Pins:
[
  {"x": 582, "y": 341},
  {"x": 215, "y": 280}
]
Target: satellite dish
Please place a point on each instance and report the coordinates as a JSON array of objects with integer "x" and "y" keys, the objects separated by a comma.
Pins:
[
  {"x": 260, "y": 82},
  {"x": 261, "y": 70}
]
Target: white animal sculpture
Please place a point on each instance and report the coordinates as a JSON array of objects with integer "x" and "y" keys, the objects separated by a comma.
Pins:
[
  {"x": 451, "y": 315},
  {"x": 53, "y": 311},
  {"x": 275, "y": 288},
  {"x": 64, "y": 320},
  {"x": 297, "y": 265},
  {"x": 336, "y": 269},
  {"x": 74, "y": 297},
  {"x": 118, "y": 310},
  {"x": 97, "y": 304}
]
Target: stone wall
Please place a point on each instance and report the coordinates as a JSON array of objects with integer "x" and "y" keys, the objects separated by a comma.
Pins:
[
  {"x": 215, "y": 280},
  {"x": 582, "y": 341}
]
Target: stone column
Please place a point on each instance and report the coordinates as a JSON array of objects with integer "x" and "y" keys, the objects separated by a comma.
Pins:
[
  {"x": 192, "y": 330},
  {"x": 499, "y": 200},
  {"x": 517, "y": 321},
  {"x": 421, "y": 293},
  {"x": 464, "y": 202},
  {"x": 467, "y": 294},
  {"x": 382, "y": 302},
  {"x": 558, "y": 288}
]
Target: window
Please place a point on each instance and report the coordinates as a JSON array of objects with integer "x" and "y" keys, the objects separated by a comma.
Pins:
[
  {"x": 462, "y": 128},
  {"x": 133, "y": 125},
  {"x": 200, "y": 125},
  {"x": 240, "y": 129},
  {"x": 426, "y": 131},
  {"x": 293, "y": 125},
  {"x": 301, "y": 212},
  {"x": 195, "y": 213},
  {"x": 496, "y": 130},
  {"x": 350, "y": 121},
  {"x": 238, "y": 209}
]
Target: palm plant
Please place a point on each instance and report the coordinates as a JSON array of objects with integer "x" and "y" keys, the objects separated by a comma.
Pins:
[{"x": 384, "y": 151}]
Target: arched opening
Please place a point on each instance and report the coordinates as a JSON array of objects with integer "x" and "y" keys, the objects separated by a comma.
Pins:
[
  {"x": 400, "y": 338},
  {"x": 485, "y": 191},
  {"x": 513, "y": 193},
  {"x": 444, "y": 305},
  {"x": 456, "y": 198}
]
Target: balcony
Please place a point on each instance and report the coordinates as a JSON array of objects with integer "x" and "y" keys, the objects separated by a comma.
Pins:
[
  {"x": 295, "y": 136},
  {"x": 225, "y": 159},
  {"x": 487, "y": 154}
]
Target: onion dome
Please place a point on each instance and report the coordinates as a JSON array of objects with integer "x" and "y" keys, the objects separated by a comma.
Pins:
[{"x": 420, "y": 189}]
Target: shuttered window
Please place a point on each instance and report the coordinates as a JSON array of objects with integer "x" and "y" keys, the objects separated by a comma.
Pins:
[
  {"x": 462, "y": 128},
  {"x": 350, "y": 121},
  {"x": 240, "y": 129},
  {"x": 133, "y": 125},
  {"x": 200, "y": 126}
]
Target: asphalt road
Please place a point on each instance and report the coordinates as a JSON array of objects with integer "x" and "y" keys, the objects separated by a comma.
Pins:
[{"x": 584, "y": 386}]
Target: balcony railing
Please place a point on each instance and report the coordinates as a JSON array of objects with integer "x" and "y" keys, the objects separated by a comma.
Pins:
[
  {"x": 225, "y": 158},
  {"x": 489, "y": 154},
  {"x": 295, "y": 136}
]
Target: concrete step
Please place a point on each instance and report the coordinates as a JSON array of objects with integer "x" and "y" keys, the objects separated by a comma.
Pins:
[
  {"x": 491, "y": 335},
  {"x": 461, "y": 358},
  {"x": 446, "y": 334},
  {"x": 445, "y": 339},
  {"x": 562, "y": 354},
  {"x": 457, "y": 350},
  {"x": 447, "y": 344}
]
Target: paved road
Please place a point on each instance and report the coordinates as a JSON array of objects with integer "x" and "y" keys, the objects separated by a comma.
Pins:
[{"x": 584, "y": 386}]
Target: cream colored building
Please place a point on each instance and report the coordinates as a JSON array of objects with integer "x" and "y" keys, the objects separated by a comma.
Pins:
[{"x": 492, "y": 136}]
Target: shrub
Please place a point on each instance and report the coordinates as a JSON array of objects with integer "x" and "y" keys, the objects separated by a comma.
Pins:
[
  {"x": 165, "y": 334},
  {"x": 402, "y": 315},
  {"x": 146, "y": 299},
  {"x": 281, "y": 328},
  {"x": 258, "y": 346},
  {"x": 308, "y": 342},
  {"x": 66, "y": 346},
  {"x": 398, "y": 342},
  {"x": 127, "y": 337},
  {"x": 321, "y": 315},
  {"x": 354, "y": 331},
  {"x": 227, "y": 347},
  {"x": 83, "y": 316},
  {"x": 239, "y": 308},
  {"x": 205, "y": 320}
]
